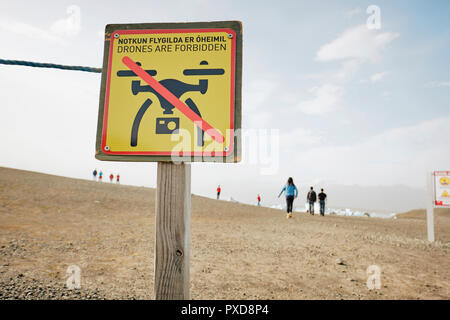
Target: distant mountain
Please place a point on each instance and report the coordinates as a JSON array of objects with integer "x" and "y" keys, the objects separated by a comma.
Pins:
[{"x": 398, "y": 198}]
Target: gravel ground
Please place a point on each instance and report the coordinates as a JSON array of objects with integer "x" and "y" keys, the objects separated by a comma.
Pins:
[
  {"x": 23, "y": 288},
  {"x": 48, "y": 223}
]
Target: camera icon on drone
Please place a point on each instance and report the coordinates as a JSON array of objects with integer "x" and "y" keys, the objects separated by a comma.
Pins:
[{"x": 167, "y": 125}]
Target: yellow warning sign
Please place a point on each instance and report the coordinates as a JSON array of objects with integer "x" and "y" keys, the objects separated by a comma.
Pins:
[
  {"x": 170, "y": 92},
  {"x": 442, "y": 188}
]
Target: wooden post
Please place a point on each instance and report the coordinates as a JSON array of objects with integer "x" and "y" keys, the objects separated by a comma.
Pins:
[
  {"x": 430, "y": 207},
  {"x": 173, "y": 206}
]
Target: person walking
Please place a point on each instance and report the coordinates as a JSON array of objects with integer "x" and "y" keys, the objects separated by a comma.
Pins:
[
  {"x": 322, "y": 196},
  {"x": 218, "y": 192},
  {"x": 259, "y": 200},
  {"x": 311, "y": 198},
  {"x": 100, "y": 175},
  {"x": 118, "y": 178},
  {"x": 111, "y": 177},
  {"x": 291, "y": 192},
  {"x": 94, "y": 174}
]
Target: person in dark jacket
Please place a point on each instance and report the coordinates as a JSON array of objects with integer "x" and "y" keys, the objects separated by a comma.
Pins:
[
  {"x": 311, "y": 198},
  {"x": 322, "y": 196}
]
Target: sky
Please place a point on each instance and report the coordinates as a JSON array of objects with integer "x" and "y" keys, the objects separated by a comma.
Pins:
[{"x": 334, "y": 92}]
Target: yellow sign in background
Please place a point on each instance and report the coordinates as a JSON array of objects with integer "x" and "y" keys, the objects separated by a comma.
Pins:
[
  {"x": 200, "y": 65},
  {"x": 442, "y": 188}
]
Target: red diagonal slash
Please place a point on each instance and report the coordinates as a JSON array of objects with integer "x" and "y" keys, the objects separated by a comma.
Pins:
[{"x": 170, "y": 97}]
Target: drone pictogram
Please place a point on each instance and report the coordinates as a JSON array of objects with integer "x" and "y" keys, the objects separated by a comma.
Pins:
[{"x": 168, "y": 92}]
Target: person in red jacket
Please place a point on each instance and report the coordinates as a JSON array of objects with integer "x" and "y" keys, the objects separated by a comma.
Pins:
[
  {"x": 111, "y": 177},
  {"x": 259, "y": 200},
  {"x": 218, "y": 192},
  {"x": 118, "y": 178}
]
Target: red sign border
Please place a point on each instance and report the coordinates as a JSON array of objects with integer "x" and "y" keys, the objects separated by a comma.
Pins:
[{"x": 170, "y": 153}]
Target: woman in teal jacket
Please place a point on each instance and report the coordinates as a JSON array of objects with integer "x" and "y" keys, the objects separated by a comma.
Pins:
[{"x": 291, "y": 193}]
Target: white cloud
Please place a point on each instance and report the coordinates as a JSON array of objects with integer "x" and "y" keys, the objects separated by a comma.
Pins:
[
  {"x": 353, "y": 12},
  {"x": 353, "y": 47},
  {"x": 258, "y": 97},
  {"x": 397, "y": 156},
  {"x": 356, "y": 43},
  {"x": 69, "y": 26},
  {"x": 348, "y": 70},
  {"x": 344, "y": 73},
  {"x": 378, "y": 76},
  {"x": 258, "y": 91},
  {"x": 386, "y": 94},
  {"x": 326, "y": 97},
  {"x": 438, "y": 84},
  {"x": 296, "y": 137},
  {"x": 30, "y": 31}
]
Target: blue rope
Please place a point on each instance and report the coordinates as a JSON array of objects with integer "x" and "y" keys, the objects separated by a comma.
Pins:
[{"x": 50, "y": 65}]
